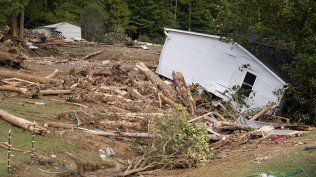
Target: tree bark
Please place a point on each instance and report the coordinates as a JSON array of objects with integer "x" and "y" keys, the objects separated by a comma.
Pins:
[
  {"x": 185, "y": 93},
  {"x": 21, "y": 34},
  {"x": 117, "y": 134},
  {"x": 13, "y": 89},
  {"x": 166, "y": 88},
  {"x": 190, "y": 14},
  {"x": 14, "y": 25},
  {"x": 22, "y": 123},
  {"x": 166, "y": 100},
  {"x": 38, "y": 79}
]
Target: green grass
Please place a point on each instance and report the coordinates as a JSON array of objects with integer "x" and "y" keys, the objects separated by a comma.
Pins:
[
  {"x": 21, "y": 139},
  {"x": 45, "y": 145},
  {"x": 23, "y": 107},
  {"x": 288, "y": 164}
]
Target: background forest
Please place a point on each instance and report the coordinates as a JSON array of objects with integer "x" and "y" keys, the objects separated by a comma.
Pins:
[{"x": 287, "y": 25}]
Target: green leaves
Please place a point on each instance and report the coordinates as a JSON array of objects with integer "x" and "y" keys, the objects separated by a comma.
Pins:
[{"x": 184, "y": 144}]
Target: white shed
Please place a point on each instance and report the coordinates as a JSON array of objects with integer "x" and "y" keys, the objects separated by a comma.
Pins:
[
  {"x": 218, "y": 66},
  {"x": 63, "y": 30}
]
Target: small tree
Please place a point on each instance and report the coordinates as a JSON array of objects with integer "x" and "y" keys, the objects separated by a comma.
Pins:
[{"x": 175, "y": 144}]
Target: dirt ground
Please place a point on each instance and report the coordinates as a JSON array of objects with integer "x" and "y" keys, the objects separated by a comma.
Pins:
[{"x": 79, "y": 152}]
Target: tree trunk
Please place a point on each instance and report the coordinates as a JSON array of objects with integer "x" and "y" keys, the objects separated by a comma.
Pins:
[
  {"x": 13, "y": 89},
  {"x": 175, "y": 11},
  {"x": 117, "y": 134},
  {"x": 166, "y": 88},
  {"x": 21, "y": 34},
  {"x": 32, "y": 78},
  {"x": 190, "y": 14},
  {"x": 166, "y": 100},
  {"x": 14, "y": 25},
  {"x": 22, "y": 123},
  {"x": 184, "y": 91}
]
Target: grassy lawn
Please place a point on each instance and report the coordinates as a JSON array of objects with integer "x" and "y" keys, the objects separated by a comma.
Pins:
[
  {"x": 283, "y": 161},
  {"x": 296, "y": 162},
  {"x": 44, "y": 145}
]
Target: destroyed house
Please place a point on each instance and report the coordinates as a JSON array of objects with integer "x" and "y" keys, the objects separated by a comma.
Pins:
[
  {"x": 219, "y": 67},
  {"x": 63, "y": 30}
]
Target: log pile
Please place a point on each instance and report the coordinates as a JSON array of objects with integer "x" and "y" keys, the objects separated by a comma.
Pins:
[{"x": 125, "y": 100}]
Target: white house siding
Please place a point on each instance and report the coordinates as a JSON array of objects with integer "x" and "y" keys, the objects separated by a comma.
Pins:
[
  {"x": 216, "y": 65},
  {"x": 69, "y": 31}
]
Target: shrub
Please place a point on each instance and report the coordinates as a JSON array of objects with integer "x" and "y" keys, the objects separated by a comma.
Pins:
[
  {"x": 118, "y": 35},
  {"x": 177, "y": 143}
]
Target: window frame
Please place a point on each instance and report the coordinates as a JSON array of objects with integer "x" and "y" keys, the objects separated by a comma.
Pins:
[{"x": 248, "y": 91}]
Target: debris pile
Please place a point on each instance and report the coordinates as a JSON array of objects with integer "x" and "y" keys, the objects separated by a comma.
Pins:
[{"x": 122, "y": 99}]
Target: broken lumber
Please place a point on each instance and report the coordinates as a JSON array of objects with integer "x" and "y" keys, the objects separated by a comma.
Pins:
[
  {"x": 185, "y": 93},
  {"x": 13, "y": 74},
  {"x": 13, "y": 89},
  {"x": 166, "y": 88},
  {"x": 118, "y": 134},
  {"x": 22, "y": 123},
  {"x": 263, "y": 111}
]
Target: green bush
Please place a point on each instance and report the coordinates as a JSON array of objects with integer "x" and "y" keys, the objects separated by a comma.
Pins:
[
  {"x": 177, "y": 143},
  {"x": 116, "y": 36}
]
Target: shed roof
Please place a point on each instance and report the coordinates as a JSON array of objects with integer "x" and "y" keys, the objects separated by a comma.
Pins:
[
  {"x": 57, "y": 25},
  {"x": 271, "y": 67}
]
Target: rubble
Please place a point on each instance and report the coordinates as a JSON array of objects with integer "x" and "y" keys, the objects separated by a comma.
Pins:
[{"x": 121, "y": 99}]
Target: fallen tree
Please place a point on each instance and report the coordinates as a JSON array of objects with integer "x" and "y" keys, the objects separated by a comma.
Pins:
[
  {"x": 117, "y": 133},
  {"x": 185, "y": 93},
  {"x": 32, "y": 78},
  {"x": 176, "y": 144},
  {"x": 13, "y": 89},
  {"x": 22, "y": 123},
  {"x": 166, "y": 88}
]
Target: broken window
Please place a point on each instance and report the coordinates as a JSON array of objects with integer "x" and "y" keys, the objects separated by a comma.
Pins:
[{"x": 248, "y": 83}]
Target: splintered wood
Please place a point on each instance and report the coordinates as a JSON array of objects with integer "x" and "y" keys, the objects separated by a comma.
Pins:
[
  {"x": 166, "y": 88},
  {"x": 184, "y": 92}
]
